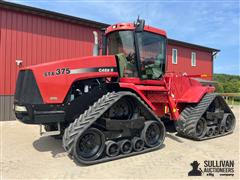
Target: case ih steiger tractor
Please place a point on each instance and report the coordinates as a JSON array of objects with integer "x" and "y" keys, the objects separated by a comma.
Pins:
[{"x": 112, "y": 106}]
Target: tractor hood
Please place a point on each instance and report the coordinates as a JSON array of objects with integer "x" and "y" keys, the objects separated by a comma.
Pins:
[{"x": 54, "y": 79}]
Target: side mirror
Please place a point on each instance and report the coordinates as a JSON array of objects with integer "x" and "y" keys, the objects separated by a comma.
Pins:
[
  {"x": 19, "y": 62},
  {"x": 139, "y": 25}
]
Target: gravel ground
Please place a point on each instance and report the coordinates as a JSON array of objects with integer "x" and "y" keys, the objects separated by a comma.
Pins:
[{"x": 26, "y": 155}]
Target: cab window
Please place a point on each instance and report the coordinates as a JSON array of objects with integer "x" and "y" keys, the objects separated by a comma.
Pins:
[
  {"x": 152, "y": 55},
  {"x": 121, "y": 44}
]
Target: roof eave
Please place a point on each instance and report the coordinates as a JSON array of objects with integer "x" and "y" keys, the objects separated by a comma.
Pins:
[
  {"x": 90, "y": 23},
  {"x": 51, "y": 14},
  {"x": 195, "y": 46}
]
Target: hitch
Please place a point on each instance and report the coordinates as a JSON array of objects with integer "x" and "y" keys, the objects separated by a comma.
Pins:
[{"x": 50, "y": 133}]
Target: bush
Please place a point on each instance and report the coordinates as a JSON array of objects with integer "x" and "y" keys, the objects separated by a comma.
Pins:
[{"x": 227, "y": 83}]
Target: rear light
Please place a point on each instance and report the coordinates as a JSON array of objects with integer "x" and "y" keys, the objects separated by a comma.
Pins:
[
  {"x": 166, "y": 109},
  {"x": 204, "y": 75}
]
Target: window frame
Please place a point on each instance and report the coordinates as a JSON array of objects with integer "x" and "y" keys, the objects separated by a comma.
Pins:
[
  {"x": 174, "y": 50},
  {"x": 193, "y": 61}
]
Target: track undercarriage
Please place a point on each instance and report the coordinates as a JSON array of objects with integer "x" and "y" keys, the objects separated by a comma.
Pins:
[
  {"x": 118, "y": 125},
  {"x": 210, "y": 118}
]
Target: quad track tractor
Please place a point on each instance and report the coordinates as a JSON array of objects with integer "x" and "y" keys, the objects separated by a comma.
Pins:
[{"x": 113, "y": 105}]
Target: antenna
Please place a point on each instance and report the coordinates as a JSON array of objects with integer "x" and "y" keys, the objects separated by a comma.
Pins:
[
  {"x": 139, "y": 25},
  {"x": 138, "y": 21}
]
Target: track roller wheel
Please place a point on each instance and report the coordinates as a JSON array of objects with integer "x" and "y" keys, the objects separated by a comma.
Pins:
[
  {"x": 125, "y": 146},
  {"x": 138, "y": 144},
  {"x": 210, "y": 131},
  {"x": 112, "y": 148},
  {"x": 152, "y": 133},
  {"x": 216, "y": 130},
  {"x": 222, "y": 129},
  {"x": 89, "y": 145}
]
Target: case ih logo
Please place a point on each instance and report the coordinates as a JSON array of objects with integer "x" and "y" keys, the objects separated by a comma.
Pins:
[
  {"x": 211, "y": 168},
  {"x": 106, "y": 70}
]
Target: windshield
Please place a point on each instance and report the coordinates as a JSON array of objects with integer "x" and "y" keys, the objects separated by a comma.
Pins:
[
  {"x": 152, "y": 54},
  {"x": 121, "y": 43}
]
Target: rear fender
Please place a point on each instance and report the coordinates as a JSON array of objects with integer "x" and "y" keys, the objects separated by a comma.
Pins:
[
  {"x": 195, "y": 93},
  {"x": 184, "y": 89}
]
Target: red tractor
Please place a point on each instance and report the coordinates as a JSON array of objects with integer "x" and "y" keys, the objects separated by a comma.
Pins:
[{"x": 114, "y": 105}]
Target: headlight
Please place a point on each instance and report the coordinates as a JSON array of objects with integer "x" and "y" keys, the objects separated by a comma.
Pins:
[{"x": 20, "y": 108}]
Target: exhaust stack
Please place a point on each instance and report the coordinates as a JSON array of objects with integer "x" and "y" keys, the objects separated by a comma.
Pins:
[{"x": 95, "y": 46}]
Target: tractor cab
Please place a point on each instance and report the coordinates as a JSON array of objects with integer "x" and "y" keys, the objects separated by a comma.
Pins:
[{"x": 140, "y": 49}]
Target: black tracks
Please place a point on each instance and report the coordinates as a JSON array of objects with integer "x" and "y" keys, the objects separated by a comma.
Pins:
[
  {"x": 186, "y": 125},
  {"x": 91, "y": 115}
]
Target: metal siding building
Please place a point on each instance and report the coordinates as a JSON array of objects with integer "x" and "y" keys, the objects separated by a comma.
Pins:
[
  {"x": 36, "y": 36},
  {"x": 204, "y": 58}
]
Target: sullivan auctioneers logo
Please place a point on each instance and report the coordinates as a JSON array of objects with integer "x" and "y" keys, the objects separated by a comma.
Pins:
[{"x": 212, "y": 168}]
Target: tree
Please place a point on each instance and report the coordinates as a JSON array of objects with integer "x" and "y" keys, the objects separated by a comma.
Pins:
[{"x": 227, "y": 83}]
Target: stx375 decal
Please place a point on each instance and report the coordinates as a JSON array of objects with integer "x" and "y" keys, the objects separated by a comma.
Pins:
[
  {"x": 57, "y": 72},
  {"x": 62, "y": 71}
]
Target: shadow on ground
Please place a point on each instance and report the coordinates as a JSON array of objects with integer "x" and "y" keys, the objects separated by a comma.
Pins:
[
  {"x": 174, "y": 137},
  {"x": 45, "y": 144}
]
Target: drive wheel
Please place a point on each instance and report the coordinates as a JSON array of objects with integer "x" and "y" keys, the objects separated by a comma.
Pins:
[
  {"x": 201, "y": 127},
  {"x": 152, "y": 133},
  {"x": 123, "y": 109},
  {"x": 89, "y": 145}
]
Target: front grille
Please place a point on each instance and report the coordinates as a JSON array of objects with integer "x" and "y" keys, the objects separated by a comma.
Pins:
[{"x": 27, "y": 91}]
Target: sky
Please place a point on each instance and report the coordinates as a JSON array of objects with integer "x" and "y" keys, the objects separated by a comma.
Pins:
[{"x": 211, "y": 23}]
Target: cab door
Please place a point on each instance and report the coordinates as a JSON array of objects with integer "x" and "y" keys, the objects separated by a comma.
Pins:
[{"x": 152, "y": 55}]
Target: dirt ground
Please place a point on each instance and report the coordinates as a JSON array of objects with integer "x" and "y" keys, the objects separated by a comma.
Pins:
[{"x": 26, "y": 155}]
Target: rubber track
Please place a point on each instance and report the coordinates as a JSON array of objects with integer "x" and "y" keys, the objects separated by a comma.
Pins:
[
  {"x": 191, "y": 114},
  {"x": 94, "y": 112}
]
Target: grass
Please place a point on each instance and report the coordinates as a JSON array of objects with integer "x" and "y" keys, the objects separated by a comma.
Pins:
[{"x": 230, "y": 102}]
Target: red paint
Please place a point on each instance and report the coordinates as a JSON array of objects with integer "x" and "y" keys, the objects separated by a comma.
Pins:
[
  {"x": 173, "y": 91},
  {"x": 140, "y": 81},
  {"x": 130, "y": 26},
  {"x": 204, "y": 64},
  {"x": 131, "y": 86},
  {"x": 151, "y": 88},
  {"x": 58, "y": 86},
  {"x": 35, "y": 40}
]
